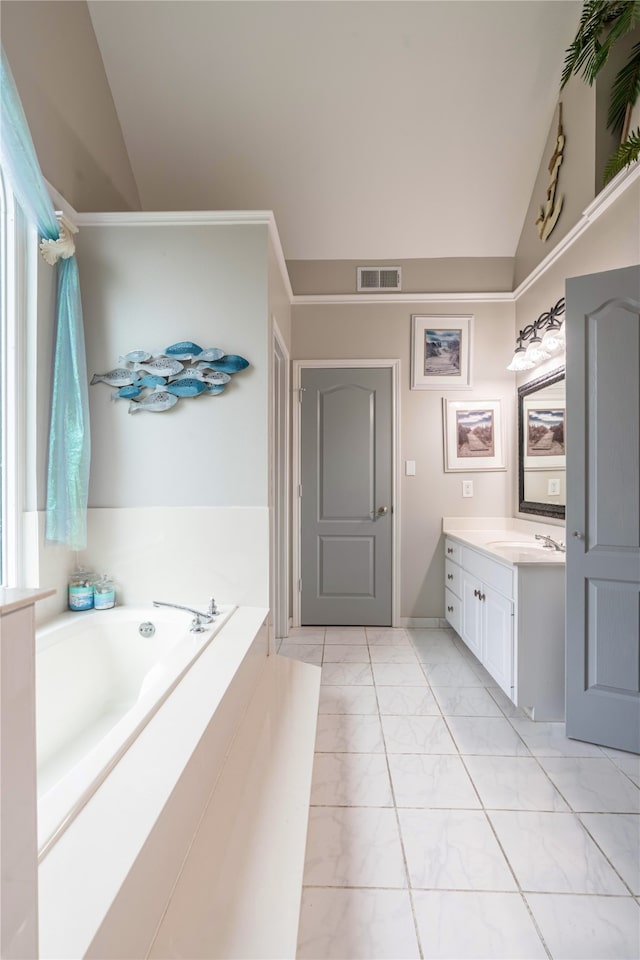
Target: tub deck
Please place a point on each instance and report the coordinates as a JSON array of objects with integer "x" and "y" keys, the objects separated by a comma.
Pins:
[{"x": 218, "y": 781}]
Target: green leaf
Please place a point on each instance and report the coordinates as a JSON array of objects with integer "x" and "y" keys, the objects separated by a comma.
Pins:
[
  {"x": 626, "y": 153},
  {"x": 625, "y": 90},
  {"x": 601, "y": 25}
]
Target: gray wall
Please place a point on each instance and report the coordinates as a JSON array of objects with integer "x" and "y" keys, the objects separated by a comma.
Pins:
[
  {"x": 612, "y": 241},
  {"x": 375, "y": 331},
  {"x": 575, "y": 181},
  {"x": 146, "y": 287},
  {"x": 58, "y": 70},
  {"x": 442, "y": 275}
]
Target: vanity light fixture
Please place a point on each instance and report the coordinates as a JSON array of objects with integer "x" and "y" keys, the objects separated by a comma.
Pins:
[{"x": 539, "y": 340}]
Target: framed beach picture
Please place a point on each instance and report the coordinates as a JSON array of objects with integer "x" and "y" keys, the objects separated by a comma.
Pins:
[
  {"x": 544, "y": 447},
  {"x": 441, "y": 353},
  {"x": 473, "y": 435}
]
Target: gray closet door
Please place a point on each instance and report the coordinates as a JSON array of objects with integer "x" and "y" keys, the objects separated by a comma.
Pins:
[
  {"x": 346, "y": 468},
  {"x": 603, "y": 508}
]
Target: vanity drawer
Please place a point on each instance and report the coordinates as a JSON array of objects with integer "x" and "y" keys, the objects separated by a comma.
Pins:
[
  {"x": 452, "y": 577},
  {"x": 491, "y": 572},
  {"x": 452, "y": 550},
  {"x": 453, "y": 610}
]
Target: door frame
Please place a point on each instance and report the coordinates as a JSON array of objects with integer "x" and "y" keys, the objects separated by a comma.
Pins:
[
  {"x": 298, "y": 367},
  {"x": 281, "y": 493}
]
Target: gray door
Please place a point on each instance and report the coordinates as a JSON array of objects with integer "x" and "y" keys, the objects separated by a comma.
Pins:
[
  {"x": 603, "y": 508},
  {"x": 346, "y": 445}
]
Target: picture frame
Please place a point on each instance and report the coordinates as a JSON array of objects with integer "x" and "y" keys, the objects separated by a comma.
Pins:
[
  {"x": 543, "y": 433},
  {"x": 441, "y": 352},
  {"x": 473, "y": 435}
]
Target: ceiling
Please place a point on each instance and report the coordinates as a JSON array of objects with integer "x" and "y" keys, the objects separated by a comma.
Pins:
[{"x": 373, "y": 130}]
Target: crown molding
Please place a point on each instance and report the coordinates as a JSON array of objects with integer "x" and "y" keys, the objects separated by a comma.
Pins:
[
  {"x": 608, "y": 196},
  {"x": 612, "y": 192},
  {"x": 345, "y": 298}
]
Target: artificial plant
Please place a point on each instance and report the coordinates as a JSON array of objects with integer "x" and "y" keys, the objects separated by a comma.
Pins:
[{"x": 602, "y": 24}]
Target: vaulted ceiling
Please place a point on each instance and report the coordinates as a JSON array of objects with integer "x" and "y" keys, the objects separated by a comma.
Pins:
[{"x": 373, "y": 130}]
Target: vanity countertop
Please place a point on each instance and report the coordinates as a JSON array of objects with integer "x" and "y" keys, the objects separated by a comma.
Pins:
[{"x": 506, "y": 539}]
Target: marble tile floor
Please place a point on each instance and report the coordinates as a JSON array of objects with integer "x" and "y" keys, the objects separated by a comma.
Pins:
[{"x": 446, "y": 824}]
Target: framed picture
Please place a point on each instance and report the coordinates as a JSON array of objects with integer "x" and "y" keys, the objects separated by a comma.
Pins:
[
  {"x": 440, "y": 353},
  {"x": 473, "y": 435},
  {"x": 543, "y": 427}
]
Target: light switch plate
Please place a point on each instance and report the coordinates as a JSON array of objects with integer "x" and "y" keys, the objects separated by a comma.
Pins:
[
  {"x": 553, "y": 488},
  {"x": 467, "y": 488},
  {"x": 410, "y": 468}
]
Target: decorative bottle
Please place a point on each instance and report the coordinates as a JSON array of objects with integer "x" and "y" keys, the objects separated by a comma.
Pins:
[
  {"x": 81, "y": 587},
  {"x": 104, "y": 593}
]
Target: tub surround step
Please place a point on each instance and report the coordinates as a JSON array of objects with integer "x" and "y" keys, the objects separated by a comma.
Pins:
[{"x": 239, "y": 893}]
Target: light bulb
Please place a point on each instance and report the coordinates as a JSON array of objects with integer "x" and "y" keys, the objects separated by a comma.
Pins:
[
  {"x": 553, "y": 340},
  {"x": 520, "y": 361},
  {"x": 536, "y": 353}
]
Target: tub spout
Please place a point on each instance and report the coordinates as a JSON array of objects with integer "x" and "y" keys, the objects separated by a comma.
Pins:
[{"x": 199, "y": 618}]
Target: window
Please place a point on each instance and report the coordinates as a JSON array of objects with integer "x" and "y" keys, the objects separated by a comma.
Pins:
[{"x": 13, "y": 236}]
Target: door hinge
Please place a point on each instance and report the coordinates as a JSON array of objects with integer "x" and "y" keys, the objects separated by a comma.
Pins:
[
  {"x": 299, "y": 586},
  {"x": 300, "y": 490}
]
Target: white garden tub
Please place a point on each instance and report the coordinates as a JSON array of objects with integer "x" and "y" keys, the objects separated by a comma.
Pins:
[{"x": 98, "y": 683}]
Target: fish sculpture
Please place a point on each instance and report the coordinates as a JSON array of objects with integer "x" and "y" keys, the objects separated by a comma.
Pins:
[
  {"x": 156, "y": 402},
  {"x": 187, "y": 372},
  {"x": 135, "y": 356},
  {"x": 216, "y": 376},
  {"x": 186, "y": 387},
  {"x": 118, "y": 377},
  {"x": 127, "y": 393},
  {"x": 162, "y": 366},
  {"x": 152, "y": 380},
  {"x": 211, "y": 353},
  {"x": 184, "y": 350},
  {"x": 230, "y": 363},
  {"x": 213, "y": 389}
]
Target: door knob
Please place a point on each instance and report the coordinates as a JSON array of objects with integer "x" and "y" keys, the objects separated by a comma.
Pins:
[
  {"x": 382, "y": 511},
  {"x": 578, "y": 535}
]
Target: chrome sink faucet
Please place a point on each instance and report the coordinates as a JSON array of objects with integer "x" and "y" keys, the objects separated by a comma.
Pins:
[
  {"x": 199, "y": 618},
  {"x": 550, "y": 544}
]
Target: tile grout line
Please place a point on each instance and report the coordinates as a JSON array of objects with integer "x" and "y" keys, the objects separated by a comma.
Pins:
[
  {"x": 502, "y": 850},
  {"x": 400, "y": 836}
]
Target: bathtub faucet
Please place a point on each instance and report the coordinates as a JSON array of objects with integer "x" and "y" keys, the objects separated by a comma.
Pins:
[{"x": 199, "y": 618}]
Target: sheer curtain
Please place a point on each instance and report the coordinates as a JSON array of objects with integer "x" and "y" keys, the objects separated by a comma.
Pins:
[{"x": 69, "y": 437}]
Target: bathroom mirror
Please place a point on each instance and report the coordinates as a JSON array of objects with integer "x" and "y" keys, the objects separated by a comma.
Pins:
[{"x": 541, "y": 446}]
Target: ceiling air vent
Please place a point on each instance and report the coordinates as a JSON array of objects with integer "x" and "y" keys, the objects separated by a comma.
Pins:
[{"x": 379, "y": 278}]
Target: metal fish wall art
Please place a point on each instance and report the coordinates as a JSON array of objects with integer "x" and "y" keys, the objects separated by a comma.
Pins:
[{"x": 156, "y": 380}]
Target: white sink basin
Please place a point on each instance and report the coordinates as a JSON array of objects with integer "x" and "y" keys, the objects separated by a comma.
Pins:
[{"x": 516, "y": 544}]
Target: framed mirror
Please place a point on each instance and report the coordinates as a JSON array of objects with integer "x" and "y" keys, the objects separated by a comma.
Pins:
[{"x": 541, "y": 446}]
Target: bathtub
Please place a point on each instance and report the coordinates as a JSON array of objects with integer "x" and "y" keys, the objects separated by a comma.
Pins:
[{"x": 98, "y": 684}]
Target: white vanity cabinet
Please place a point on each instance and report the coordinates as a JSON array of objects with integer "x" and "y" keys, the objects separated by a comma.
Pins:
[
  {"x": 487, "y": 615},
  {"x": 512, "y": 619}
]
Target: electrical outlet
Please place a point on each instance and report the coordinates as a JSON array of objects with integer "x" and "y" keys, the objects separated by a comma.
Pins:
[
  {"x": 553, "y": 488},
  {"x": 467, "y": 488}
]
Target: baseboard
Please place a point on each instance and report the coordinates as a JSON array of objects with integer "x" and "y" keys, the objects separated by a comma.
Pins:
[{"x": 433, "y": 623}]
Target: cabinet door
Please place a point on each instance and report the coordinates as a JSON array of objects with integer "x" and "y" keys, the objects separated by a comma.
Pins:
[
  {"x": 497, "y": 638},
  {"x": 453, "y": 610},
  {"x": 471, "y": 614}
]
